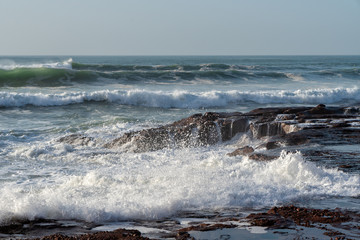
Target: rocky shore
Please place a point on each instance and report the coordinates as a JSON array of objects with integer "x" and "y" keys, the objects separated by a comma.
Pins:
[
  {"x": 283, "y": 222},
  {"x": 292, "y": 126},
  {"x": 327, "y": 134},
  {"x": 279, "y": 129}
]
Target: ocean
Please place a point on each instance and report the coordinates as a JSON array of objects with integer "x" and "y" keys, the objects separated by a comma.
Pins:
[{"x": 45, "y": 98}]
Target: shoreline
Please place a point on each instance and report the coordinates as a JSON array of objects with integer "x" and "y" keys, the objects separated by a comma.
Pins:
[{"x": 286, "y": 222}]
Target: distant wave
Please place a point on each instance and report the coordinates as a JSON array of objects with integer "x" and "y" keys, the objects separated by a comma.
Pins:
[
  {"x": 55, "y": 77},
  {"x": 10, "y": 65},
  {"x": 183, "y": 99},
  {"x": 43, "y": 77},
  {"x": 69, "y": 73}
]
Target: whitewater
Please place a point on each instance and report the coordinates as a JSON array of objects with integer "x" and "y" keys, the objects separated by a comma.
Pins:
[{"x": 43, "y": 99}]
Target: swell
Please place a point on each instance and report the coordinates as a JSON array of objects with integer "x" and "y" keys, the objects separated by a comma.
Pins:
[
  {"x": 183, "y": 99},
  {"x": 55, "y": 76},
  {"x": 43, "y": 77},
  {"x": 49, "y": 77}
]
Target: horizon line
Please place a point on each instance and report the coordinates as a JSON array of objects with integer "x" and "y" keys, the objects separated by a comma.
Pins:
[{"x": 172, "y": 55}]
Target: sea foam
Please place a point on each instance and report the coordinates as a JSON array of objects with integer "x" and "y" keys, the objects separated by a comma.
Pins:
[
  {"x": 183, "y": 99},
  {"x": 115, "y": 186},
  {"x": 10, "y": 65}
]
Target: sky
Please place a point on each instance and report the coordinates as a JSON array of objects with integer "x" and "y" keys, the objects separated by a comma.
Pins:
[{"x": 180, "y": 27}]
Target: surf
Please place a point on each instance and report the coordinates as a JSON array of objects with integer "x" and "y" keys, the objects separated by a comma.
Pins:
[{"x": 182, "y": 99}]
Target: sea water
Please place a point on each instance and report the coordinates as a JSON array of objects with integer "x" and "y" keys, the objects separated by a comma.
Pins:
[{"x": 45, "y": 98}]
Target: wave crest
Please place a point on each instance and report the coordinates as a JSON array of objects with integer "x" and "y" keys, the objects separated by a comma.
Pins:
[{"x": 183, "y": 99}]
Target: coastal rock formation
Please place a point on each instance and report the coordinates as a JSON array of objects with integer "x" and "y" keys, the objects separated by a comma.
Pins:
[
  {"x": 285, "y": 126},
  {"x": 196, "y": 130}
]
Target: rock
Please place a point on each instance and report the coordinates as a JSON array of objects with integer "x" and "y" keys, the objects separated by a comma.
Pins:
[
  {"x": 261, "y": 157},
  {"x": 295, "y": 138},
  {"x": 289, "y": 126},
  {"x": 272, "y": 145},
  {"x": 233, "y": 125},
  {"x": 320, "y": 109},
  {"x": 345, "y": 166},
  {"x": 203, "y": 227},
  {"x": 183, "y": 236},
  {"x": 119, "y": 234},
  {"x": 297, "y": 215},
  {"x": 241, "y": 151},
  {"x": 266, "y": 129},
  {"x": 76, "y": 139}
]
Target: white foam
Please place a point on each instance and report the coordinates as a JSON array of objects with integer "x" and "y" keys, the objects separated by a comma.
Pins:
[
  {"x": 10, "y": 65},
  {"x": 294, "y": 77},
  {"x": 113, "y": 185},
  {"x": 183, "y": 99}
]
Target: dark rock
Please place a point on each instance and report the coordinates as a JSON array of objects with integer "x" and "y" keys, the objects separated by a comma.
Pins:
[
  {"x": 296, "y": 110},
  {"x": 345, "y": 166},
  {"x": 261, "y": 157},
  {"x": 266, "y": 129},
  {"x": 119, "y": 234},
  {"x": 196, "y": 130},
  {"x": 231, "y": 126},
  {"x": 352, "y": 110},
  {"x": 241, "y": 151},
  {"x": 289, "y": 126},
  {"x": 320, "y": 109},
  {"x": 340, "y": 125},
  {"x": 203, "y": 227},
  {"x": 76, "y": 139},
  {"x": 266, "y": 220},
  {"x": 183, "y": 236},
  {"x": 272, "y": 145},
  {"x": 296, "y": 138},
  {"x": 299, "y": 216}
]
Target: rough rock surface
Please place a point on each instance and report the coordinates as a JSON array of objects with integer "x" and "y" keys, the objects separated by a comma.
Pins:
[
  {"x": 119, "y": 234},
  {"x": 278, "y": 216},
  {"x": 286, "y": 126},
  {"x": 288, "y": 217}
]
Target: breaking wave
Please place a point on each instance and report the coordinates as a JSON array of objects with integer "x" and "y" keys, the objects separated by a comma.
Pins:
[
  {"x": 11, "y": 65},
  {"x": 183, "y": 99},
  {"x": 155, "y": 185}
]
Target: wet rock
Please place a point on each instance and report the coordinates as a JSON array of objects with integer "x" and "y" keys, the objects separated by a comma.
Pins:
[
  {"x": 232, "y": 126},
  {"x": 183, "y": 236},
  {"x": 295, "y": 138},
  {"x": 244, "y": 151},
  {"x": 352, "y": 110},
  {"x": 345, "y": 166},
  {"x": 299, "y": 216},
  {"x": 76, "y": 139},
  {"x": 266, "y": 129},
  {"x": 266, "y": 220},
  {"x": 272, "y": 145},
  {"x": 321, "y": 109},
  {"x": 119, "y": 234},
  {"x": 196, "y": 130},
  {"x": 340, "y": 125},
  {"x": 261, "y": 157},
  {"x": 285, "y": 117},
  {"x": 203, "y": 227},
  {"x": 289, "y": 126}
]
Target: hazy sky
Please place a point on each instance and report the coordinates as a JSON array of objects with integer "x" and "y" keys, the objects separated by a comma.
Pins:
[{"x": 179, "y": 27}]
